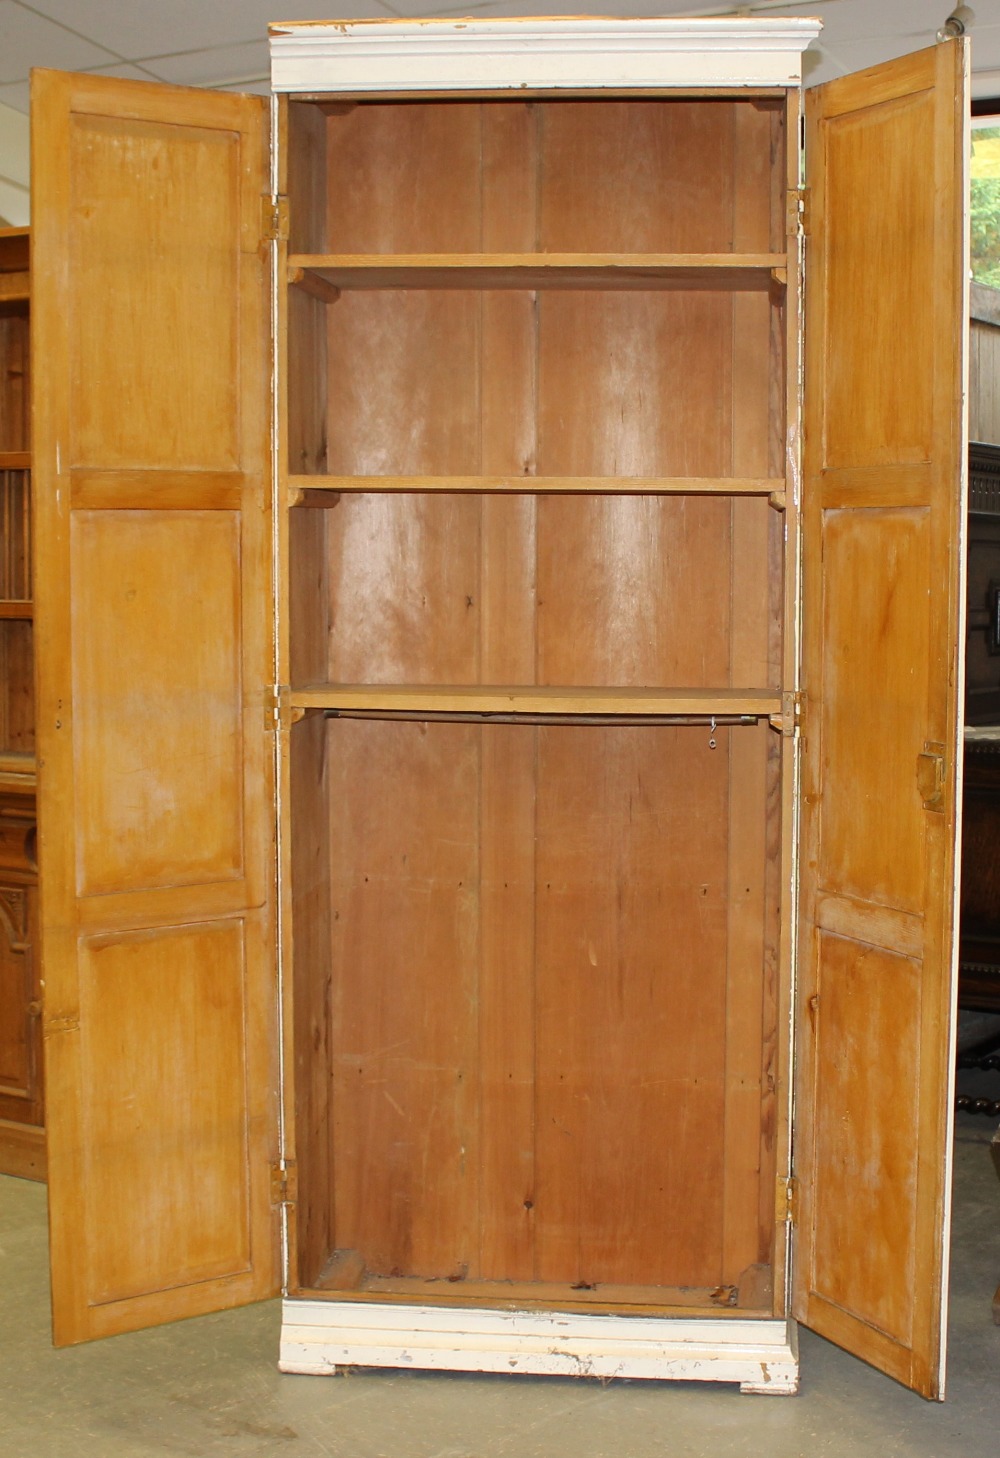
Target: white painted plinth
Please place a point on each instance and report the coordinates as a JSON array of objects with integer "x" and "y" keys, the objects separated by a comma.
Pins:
[{"x": 317, "y": 1337}]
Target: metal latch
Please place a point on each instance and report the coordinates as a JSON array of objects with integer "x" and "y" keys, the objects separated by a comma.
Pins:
[{"x": 931, "y": 776}]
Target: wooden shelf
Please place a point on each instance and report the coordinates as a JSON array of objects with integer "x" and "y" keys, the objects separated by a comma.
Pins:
[
  {"x": 17, "y": 771},
  {"x": 16, "y": 609},
  {"x": 770, "y": 486},
  {"x": 486, "y": 700},
  {"x": 15, "y": 288},
  {"x": 328, "y": 274},
  {"x": 15, "y": 460}
]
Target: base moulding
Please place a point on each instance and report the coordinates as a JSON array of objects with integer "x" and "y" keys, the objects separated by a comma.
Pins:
[{"x": 317, "y": 1337}]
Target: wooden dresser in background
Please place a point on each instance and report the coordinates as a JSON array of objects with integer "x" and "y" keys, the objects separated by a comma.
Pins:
[{"x": 22, "y": 1133}]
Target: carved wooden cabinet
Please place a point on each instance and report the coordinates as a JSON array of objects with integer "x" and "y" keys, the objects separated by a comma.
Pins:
[
  {"x": 22, "y": 1135},
  {"x": 504, "y": 764}
]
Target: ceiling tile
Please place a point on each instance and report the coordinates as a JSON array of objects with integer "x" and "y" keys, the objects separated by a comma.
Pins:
[
  {"x": 136, "y": 30},
  {"x": 27, "y": 40},
  {"x": 17, "y": 95},
  {"x": 219, "y": 66}
]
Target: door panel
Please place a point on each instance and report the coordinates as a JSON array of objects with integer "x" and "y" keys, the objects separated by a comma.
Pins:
[
  {"x": 153, "y": 641},
  {"x": 883, "y": 518}
]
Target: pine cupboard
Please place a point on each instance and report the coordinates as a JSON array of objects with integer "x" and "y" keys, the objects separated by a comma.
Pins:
[{"x": 497, "y": 634}]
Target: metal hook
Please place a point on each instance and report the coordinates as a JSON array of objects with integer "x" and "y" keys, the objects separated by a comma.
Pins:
[{"x": 711, "y": 741}]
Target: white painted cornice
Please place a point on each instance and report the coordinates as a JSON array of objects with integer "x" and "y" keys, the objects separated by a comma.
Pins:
[{"x": 355, "y": 57}]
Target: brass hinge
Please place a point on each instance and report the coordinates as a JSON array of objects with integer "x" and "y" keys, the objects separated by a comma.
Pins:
[
  {"x": 278, "y": 710},
  {"x": 792, "y": 716},
  {"x": 274, "y": 219},
  {"x": 797, "y": 218},
  {"x": 277, "y": 714},
  {"x": 284, "y": 1183},
  {"x": 786, "y": 1210}
]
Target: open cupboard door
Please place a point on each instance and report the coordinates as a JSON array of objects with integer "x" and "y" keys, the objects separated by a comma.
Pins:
[
  {"x": 883, "y": 569},
  {"x": 153, "y": 562}
]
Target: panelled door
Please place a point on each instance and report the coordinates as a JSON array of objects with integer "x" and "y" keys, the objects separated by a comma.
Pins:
[
  {"x": 151, "y": 426},
  {"x": 883, "y": 520}
]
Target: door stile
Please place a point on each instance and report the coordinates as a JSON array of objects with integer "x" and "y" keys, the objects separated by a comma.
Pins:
[
  {"x": 790, "y": 678},
  {"x": 277, "y": 268}
]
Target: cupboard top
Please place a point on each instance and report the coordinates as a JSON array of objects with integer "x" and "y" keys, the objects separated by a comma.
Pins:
[{"x": 527, "y": 54}]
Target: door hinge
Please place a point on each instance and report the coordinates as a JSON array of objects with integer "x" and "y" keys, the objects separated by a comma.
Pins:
[
  {"x": 277, "y": 714},
  {"x": 284, "y": 1183},
  {"x": 797, "y": 219},
  {"x": 274, "y": 219},
  {"x": 787, "y": 1200},
  {"x": 792, "y": 717}
]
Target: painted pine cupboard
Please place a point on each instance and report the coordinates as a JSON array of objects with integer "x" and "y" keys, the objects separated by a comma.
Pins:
[{"x": 497, "y": 525}]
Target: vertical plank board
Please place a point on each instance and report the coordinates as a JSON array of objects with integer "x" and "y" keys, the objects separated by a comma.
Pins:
[
  {"x": 310, "y": 816},
  {"x": 404, "y": 383},
  {"x": 631, "y": 938},
  {"x": 630, "y": 588},
  {"x": 749, "y": 1137},
  {"x": 666, "y": 164},
  {"x": 404, "y": 588},
  {"x": 507, "y": 768},
  {"x": 404, "y": 177},
  {"x": 405, "y": 872}
]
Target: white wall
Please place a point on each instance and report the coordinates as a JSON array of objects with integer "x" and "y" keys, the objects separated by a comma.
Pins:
[{"x": 14, "y": 167}]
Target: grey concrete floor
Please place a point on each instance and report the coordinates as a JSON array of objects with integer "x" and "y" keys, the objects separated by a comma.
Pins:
[{"x": 210, "y": 1386}]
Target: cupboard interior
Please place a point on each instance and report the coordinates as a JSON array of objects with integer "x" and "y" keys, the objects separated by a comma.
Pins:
[{"x": 535, "y": 964}]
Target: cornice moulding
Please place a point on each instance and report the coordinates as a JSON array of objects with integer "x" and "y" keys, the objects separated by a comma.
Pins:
[{"x": 354, "y": 57}]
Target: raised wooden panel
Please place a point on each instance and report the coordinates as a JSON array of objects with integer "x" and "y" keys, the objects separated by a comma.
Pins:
[
  {"x": 157, "y": 694},
  {"x": 873, "y": 708},
  {"x": 17, "y": 1074},
  {"x": 17, "y": 687},
  {"x": 867, "y": 1163},
  {"x": 163, "y": 1036},
  {"x": 154, "y": 346},
  {"x": 876, "y": 197}
]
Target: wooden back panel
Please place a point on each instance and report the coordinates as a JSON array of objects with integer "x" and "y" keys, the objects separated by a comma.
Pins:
[{"x": 547, "y": 1012}]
